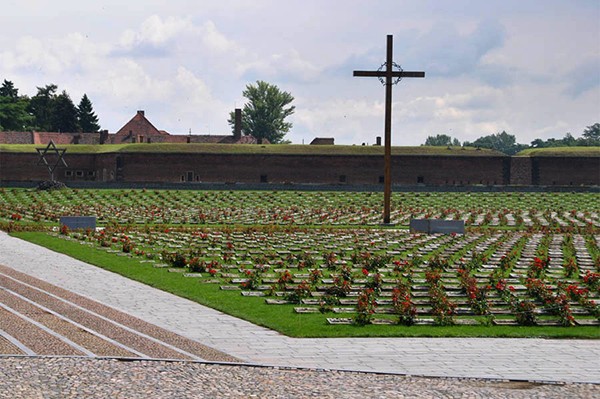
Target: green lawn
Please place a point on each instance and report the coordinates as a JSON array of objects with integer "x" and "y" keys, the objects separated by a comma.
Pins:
[
  {"x": 280, "y": 317},
  {"x": 561, "y": 152},
  {"x": 275, "y": 149}
]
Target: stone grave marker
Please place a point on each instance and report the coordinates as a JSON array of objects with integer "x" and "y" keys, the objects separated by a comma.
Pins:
[
  {"x": 78, "y": 222},
  {"x": 437, "y": 226}
]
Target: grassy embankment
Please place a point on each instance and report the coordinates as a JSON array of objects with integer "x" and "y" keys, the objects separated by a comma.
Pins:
[{"x": 281, "y": 149}]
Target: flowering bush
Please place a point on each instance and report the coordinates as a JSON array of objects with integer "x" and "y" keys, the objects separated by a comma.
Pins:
[
  {"x": 403, "y": 305},
  {"x": 253, "y": 279},
  {"x": 327, "y": 302},
  {"x": 538, "y": 267},
  {"x": 315, "y": 276},
  {"x": 302, "y": 291},
  {"x": 365, "y": 307},
  {"x": 442, "y": 309},
  {"x": 401, "y": 267},
  {"x": 592, "y": 280},
  {"x": 477, "y": 296},
  {"x": 524, "y": 311},
  {"x": 475, "y": 262},
  {"x": 340, "y": 288},
  {"x": 556, "y": 304},
  {"x": 375, "y": 282},
  {"x": 197, "y": 265},
  {"x": 570, "y": 267},
  {"x": 438, "y": 264},
  {"x": 284, "y": 279},
  {"x": 369, "y": 261},
  {"x": 175, "y": 259},
  {"x": 581, "y": 295},
  {"x": 127, "y": 246},
  {"x": 306, "y": 260},
  {"x": 329, "y": 260}
]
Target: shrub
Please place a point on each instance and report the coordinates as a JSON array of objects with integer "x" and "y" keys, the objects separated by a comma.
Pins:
[{"x": 365, "y": 307}]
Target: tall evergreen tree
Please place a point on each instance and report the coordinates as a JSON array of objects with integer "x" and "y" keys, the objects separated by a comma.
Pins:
[
  {"x": 9, "y": 90},
  {"x": 88, "y": 121},
  {"x": 64, "y": 117},
  {"x": 42, "y": 105}
]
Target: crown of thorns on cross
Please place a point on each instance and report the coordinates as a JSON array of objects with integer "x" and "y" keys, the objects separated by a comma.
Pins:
[
  {"x": 394, "y": 65},
  {"x": 51, "y": 150}
]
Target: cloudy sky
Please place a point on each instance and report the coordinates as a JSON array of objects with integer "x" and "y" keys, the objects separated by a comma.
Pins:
[{"x": 531, "y": 68}]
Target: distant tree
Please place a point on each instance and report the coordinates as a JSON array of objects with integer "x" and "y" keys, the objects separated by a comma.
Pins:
[
  {"x": 569, "y": 140},
  {"x": 502, "y": 142},
  {"x": 592, "y": 134},
  {"x": 42, "y": 105},
  {"x": 590, "y": 137},
  {"x": 263, "y": 116},
  {"x": 14, "y": 115},
  {"x": 8, "y": 90},
  {"x": 538, "y": 143},
  {"x": 13, "y": 109},
  {"x": 88, "y": 121},
  {"x": 64, "y": 116},
  {"x": 441, "y": 140}
]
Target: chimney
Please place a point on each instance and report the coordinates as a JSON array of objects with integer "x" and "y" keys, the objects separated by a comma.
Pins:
[
  {"x": 141, "y": 112},
  {"x": 103, "y": 136},
  {"x": 237, "y": 127}
]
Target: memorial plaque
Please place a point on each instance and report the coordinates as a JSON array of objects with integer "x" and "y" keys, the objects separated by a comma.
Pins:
[
  {"x": 437, "y": 226},
  {"x": 78, "y": 222}
]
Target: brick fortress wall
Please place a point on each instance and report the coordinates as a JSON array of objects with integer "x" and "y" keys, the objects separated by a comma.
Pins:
[
  {"x": 307, "y": 169},
  {"x": 565, "y": 171}
]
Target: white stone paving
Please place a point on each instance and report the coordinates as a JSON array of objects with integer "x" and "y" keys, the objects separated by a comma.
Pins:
[{"x": 522, "y": 359}]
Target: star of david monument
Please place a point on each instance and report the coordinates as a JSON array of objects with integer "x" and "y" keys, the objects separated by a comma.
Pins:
[
  {"x": 51, "y": 157},
  {"x": 389, "y": 74}
]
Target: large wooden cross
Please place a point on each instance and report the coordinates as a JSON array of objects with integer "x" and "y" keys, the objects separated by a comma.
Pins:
[{"x": 390, "y": 75}]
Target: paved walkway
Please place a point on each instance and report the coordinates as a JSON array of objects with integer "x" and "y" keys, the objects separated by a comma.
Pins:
[{"x": 522, "y": 359}]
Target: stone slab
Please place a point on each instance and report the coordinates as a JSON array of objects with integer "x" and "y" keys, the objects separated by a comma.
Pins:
[{"x": 78, "y": 222}]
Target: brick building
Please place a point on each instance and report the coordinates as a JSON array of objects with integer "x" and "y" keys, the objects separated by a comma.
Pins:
[{"x": 138, "y": 130}]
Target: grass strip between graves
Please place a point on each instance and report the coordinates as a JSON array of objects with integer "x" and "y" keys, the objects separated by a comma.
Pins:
[{"x": 279, "y": 317}]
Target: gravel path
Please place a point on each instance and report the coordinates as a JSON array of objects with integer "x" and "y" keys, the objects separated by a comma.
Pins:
[{"x": 83, "y": 378}]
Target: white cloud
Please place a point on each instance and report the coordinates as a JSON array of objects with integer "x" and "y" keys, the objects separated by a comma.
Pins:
[
  {"x": 154, "y": 36},
  {"x": 215, "y": 40},
  {"x": 449, "y": 53},
  {"x": 172, "y": 36},
  {"x": 523, "y": 67},
  {"x": 289, "y": 66}
]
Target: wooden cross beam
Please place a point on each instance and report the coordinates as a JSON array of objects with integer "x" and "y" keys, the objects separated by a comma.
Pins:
[{"x": 389, "y": 74}]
